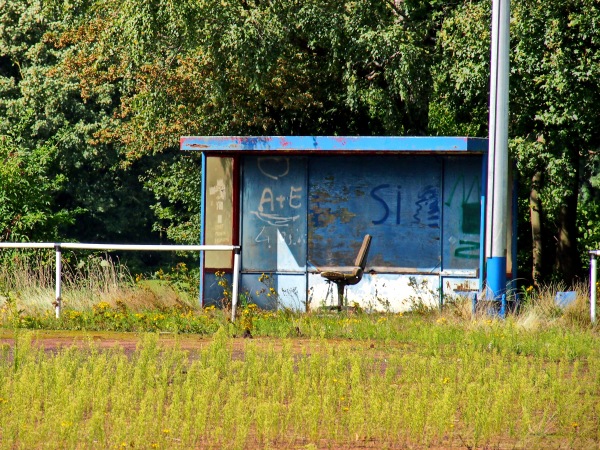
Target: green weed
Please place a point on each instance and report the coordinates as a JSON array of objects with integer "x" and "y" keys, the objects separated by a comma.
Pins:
[{"x": 342, "y": 394}]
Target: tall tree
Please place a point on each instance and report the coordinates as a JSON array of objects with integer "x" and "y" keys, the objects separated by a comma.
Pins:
[
  {"x": 42, "y": 107},
  {"x": 554, "y": 103},
  {"x": 248, "y": 68}
]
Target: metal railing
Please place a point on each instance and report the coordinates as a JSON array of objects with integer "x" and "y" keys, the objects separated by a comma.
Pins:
[
  {"x": 236, "y": 249},
  {"x": 593, "y": 279}
]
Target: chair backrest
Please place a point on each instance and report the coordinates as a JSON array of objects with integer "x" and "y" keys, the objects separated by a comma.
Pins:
[{"x": 361, "y": 258}]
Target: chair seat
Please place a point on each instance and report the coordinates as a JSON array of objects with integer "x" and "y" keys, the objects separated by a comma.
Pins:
[{"x": 352, "y": 277}]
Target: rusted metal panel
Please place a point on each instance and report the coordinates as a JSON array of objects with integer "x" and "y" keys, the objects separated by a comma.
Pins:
[
  {"x": 336, "y": 144},
  {"x": 274, "y": 205},
  {"x": 455, "y": 288},
  {"x": 462, "y": 213},
  {"x": 395, "y": 199}
]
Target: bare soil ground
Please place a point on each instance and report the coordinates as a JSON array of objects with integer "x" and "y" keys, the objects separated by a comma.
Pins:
[{"x": 55, "y": 340}]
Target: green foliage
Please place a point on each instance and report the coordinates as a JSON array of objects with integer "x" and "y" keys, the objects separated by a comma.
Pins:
[
  {"x": 182, "y": 279},
  {"x": 588, "y": 223},
  {"x": 459, "y": 103},
  {"x": 26, "y": 194},
  {"x": 553, "y": 105},
  {"x": 94, "y": 95},
  {"x": 175, "y": 184},
  {"x": 50, "y": 127}
]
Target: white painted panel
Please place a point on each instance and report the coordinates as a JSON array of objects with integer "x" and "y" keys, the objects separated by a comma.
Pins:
[
  {"x": 379, "y": 292},
  {"x": 291, "y": 290}
]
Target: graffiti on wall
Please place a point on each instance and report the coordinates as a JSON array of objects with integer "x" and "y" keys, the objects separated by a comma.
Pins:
[
  {"x": 274, "y": 201},
  {"x": 280, "y": 203},
  {"x": 464, "y": 203},
  {"x": 398, "y": 201},
  {"x": 426, "y": 207}
]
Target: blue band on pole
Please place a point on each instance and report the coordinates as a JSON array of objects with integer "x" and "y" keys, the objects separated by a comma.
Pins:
[{"x": 496, "y": 276}]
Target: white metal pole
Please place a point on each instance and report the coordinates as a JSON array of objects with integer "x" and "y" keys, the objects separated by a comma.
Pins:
[
  {"x": 235, "y": 283},
  {"x": 143, "y": 247},
  {"x": 27, "y": 245},
  {"x": 140, "y": 247},
  {"x": 497, "y": 185},
  {"x": 58, "y": 300},
  {"x": 593, "y": 278}
]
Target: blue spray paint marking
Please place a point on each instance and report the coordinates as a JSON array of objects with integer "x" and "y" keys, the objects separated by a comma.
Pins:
[
  {"x": 383, "y": 203},
  {"x": 385, "y": 206},
  {"x": 428, "y": 197},
  {"x": 468, "y": 250}
]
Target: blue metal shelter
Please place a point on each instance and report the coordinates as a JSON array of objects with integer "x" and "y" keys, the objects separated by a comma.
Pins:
[{"x": 301, "y": 204}]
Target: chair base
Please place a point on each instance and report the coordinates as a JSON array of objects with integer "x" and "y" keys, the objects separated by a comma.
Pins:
[{"x": 341, "y": 287}]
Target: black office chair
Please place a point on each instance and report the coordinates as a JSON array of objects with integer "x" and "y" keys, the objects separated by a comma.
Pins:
[{"x": 354, "y": 275}]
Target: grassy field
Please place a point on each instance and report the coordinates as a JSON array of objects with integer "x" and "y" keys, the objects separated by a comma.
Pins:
[
  {"x": 416, "y": 382},
  {"x": 427, "y": 379}
]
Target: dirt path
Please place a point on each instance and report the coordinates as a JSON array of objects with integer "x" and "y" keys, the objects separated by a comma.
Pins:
[{"x": 55, "y": 340}]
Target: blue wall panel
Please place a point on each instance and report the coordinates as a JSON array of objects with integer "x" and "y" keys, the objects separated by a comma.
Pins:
[
  {"x": 274, "y": 205},
  {"x": 395, "y": 199},
  {"x": 462, "y": 213},
  {"x": 212, "y": 292}
]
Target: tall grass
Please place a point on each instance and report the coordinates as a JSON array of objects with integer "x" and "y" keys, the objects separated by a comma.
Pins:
[
  {"x": 324, "y": 395},
  {"x": 86, "y": 281},
  {"x": 540, "y": 307},
  {"x": 421, "y": 379}
]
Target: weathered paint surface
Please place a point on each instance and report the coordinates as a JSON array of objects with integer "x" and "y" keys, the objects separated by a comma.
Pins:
[
  {"x": 395, "y": 199},
  {"x": 303, "y": 214},
  {"x": 462, "y": 213},
  {"x": 289, "y": 290},
  {"x": 218, "y": 204},
  {"x": 380, "y": 292},
  {"x": 212, "y": 292},
  {"x": 307, "y": 144},
  {"x": 453, "y": 288}
]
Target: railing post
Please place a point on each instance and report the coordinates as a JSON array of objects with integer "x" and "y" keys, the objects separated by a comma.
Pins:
[
  {"x": 235, "y": 282},
  {"x": 57, "y": 299},
  {"x": 593, "y": 278}
]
